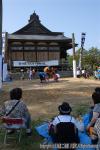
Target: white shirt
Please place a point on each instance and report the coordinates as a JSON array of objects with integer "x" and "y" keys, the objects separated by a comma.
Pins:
[
  {"x": 67, "y": 118},
  {"x": 63, "y": 118},
  {"x": 83, "y": 71},
  {"x": 30, "y": 73},
  {"x": 78, "y": 72}
]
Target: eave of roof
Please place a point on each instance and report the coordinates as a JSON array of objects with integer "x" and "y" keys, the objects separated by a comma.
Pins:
[{"x": 38, "y": 37}]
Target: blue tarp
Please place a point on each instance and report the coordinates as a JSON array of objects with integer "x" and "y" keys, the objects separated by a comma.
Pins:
[{"x": 85, "y": 140}]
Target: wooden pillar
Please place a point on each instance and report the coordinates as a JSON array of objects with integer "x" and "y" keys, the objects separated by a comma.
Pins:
[
  {"x": 74, "y": 59},
  {"x": 48, "y": 49},
  {"x": 23, "y": 44},
  {"x": 10, "y": 56},
  {"x": 36, "y": 50}
]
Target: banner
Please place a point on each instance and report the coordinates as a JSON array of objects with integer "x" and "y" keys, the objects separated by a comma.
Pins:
[{"x": 34, "y": 64}]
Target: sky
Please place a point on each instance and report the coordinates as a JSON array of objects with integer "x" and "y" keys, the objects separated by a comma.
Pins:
[{"x": 68, "y": 16}]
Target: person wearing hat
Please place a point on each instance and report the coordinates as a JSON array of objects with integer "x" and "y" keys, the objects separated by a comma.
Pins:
[
  {"x": 64, "y": 114},
  {"x": 67, "y": 125}
]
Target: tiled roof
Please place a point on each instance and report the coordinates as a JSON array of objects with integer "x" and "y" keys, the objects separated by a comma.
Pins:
[{"x": 37, "y": 37}]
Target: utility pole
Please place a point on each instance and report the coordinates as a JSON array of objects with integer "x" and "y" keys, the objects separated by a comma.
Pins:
[
  {"x": 74, "y": 59},
  {"x": 81, "y": 51},
  {"x": 0, "y": 44}
]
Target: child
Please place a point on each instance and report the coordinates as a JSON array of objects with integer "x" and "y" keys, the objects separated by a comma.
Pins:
[{"x": 56, "y": 76}]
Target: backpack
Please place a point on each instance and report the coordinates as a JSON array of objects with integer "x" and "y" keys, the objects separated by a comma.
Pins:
[
  {"x": 63, "y": 133},
  {"x": 66, "y": 132}
]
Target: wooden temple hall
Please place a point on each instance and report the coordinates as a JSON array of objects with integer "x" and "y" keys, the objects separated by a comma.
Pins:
[{"x": 34, "y": 45}]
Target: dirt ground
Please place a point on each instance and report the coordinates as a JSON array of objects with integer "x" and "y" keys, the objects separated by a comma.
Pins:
[{"x": 43, "y": 99}]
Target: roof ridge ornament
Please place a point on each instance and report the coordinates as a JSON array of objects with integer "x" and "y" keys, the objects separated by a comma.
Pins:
[{"x": 34, "y": 17}]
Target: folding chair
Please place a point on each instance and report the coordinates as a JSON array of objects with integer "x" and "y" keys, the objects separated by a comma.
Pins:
[{"x": 15, "y": 124}]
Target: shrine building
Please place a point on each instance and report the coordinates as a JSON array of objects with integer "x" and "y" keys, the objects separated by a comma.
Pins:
[{"x": 36, "y": 46}]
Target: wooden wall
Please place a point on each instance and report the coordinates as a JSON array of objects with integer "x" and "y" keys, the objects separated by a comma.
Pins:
[
  {"x": 17, "y": 56},
  {"x": 30, "y": 56},
  {"x": 54, "y": 55},
  {"x": 42, "y": 56},
  {"x": 30, "y": 51}
]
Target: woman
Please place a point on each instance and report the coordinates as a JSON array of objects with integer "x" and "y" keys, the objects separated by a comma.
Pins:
[
  {"x": 16, "y": 108},
  {"x": 96, "y": 109},
  {"x": 97, "y": 132}
]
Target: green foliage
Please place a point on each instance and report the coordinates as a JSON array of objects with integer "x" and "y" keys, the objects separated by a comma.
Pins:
[
  {"x": 70, "y": 60},
  {"x": 90, "y": 58}
]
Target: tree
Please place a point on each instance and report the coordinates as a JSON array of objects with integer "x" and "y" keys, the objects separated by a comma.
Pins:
[
  {"x": 91, "y": 58},
  {"x": 70, "y": 58}
]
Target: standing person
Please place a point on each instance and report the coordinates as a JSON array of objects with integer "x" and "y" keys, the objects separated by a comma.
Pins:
[
  {"x": 33, "y": 73},
  {"x": 16, "y": 108},
  {"x": 30, "y": 74},
  {"x": 22, "y": 74},
  {"x": 87, "y": 74},
  {"x": 27, "y": 73},
  {"x": 78, "y": 72},
  {"x": 95, "y": 74},
  {"x": 84, "y": 73}
]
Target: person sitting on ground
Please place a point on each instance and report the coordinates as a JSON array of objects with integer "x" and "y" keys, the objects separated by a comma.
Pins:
[
  {"x": 16, "y": 108},
  {"x": 97, "y": 90},
  {"x": 63, "y": 128},
  {"x": 96, "y": 132},
  {"x": 96, "y": 109}
]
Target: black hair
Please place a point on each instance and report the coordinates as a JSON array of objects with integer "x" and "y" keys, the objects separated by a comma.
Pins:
[
  {"x": 97, "y": 90},
  {"x": 96, "y": 97},
  {"x": 61, "y": 113},
  {"x": 64, "y": 109},
  {"x": 16, "y": 93}
]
